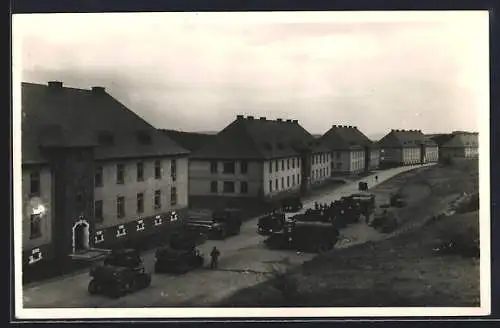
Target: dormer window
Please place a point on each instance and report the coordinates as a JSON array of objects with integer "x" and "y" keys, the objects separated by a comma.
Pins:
[{"x": 105, "y": 138}]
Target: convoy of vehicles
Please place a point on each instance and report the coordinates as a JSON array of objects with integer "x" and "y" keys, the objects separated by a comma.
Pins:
[{"x": 313, "y": 230}]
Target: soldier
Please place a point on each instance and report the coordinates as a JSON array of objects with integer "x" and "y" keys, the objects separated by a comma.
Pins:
[
  {"x": 316, "y": 205},
  {"x": 376, "y": 178},
  {"x": 214, "y": 254}
]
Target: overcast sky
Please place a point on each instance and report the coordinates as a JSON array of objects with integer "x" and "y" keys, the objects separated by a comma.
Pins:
[{"x": 196, "y": 72}]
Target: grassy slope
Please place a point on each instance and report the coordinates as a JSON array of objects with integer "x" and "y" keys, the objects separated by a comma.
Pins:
[{"x": 400, "y": 271}]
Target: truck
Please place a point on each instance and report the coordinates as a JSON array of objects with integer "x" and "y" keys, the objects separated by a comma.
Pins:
[
  {"x": 306, "y": 236},
  {"x": 122, "y": 272},
  {"x": 291, "y": 204},
  {"x": 218, "y": 224}
]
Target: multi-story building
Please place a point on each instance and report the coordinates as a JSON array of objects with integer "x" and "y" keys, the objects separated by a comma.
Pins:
[
  {"x": 352, "y": 152},
  {"x": 95, "y": 174},
  {"x": 406, "y": 147},
  {"x": 258, "y": 158},
  {"x": 458, "y": 144}
]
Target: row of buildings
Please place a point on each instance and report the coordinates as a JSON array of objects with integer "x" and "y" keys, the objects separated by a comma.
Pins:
[{"x": 94, "y": 174}]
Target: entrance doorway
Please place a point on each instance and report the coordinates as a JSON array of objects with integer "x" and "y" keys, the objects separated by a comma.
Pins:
[{"x": 80, "y": 236}]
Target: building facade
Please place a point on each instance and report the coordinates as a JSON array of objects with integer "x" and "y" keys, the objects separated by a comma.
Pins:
[
  {"x": 460, "y": 144},
  {"x": 351, "y": 151},
  {"x": 95, "y": 175},
  {"x": 258, "y": 158},
  {"x": 407, "y": 147}
]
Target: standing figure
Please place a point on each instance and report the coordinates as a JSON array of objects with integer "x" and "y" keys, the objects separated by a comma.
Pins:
[
  {"x": 214, "y": 254},
  {"x": 376, "y": 178}
]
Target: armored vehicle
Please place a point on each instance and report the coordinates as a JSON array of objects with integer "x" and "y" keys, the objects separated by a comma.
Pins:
[
  {"x": 122, "y": 272},
  {"x": 291, "y": 204},
  {"x": 315, "y": 237},
  {"x": 218, "y": 224},
  {"x": 271, "y": 223},
  {"x": 177, "y": 261},
  {"x": 366, "y": 202},
  {"x": 362, "y": 186}
]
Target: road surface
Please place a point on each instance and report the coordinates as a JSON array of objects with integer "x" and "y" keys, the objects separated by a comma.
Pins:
[{"x": 244, "y": 262}]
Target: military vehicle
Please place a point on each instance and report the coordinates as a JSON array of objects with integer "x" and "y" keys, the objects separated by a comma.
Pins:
[
  {"x": 362, "y": 186},
  {"x": 218, "y": 224},
  {"x": 315, "y": 237},
  {"x": 271, "y": 223},
  {"x": 122, "y": 272},
  {"x": 384, "y": 220},
  {"x": 291, "y": 204},
  {"x": 180, "y": 255}
]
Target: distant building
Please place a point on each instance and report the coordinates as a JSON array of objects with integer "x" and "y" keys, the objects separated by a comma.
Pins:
[
  {"x": 352, "y": 152},
  {"x": 258, "y": 158},
  {"x": 191, "y": 141},
  {"x": 407, "y": 147},
  {"x": 458, "y": 144},
  {"x": 95, "y": 174}
]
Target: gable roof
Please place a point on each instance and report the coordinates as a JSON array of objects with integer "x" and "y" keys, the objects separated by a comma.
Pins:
[
  {"x": 190, "y": 140},
  {"x": 53, "y": 115},
  {"x": 405, "y": 139},
  {"x": 251, "y": 138},
  {"x": 346, "y": 137},
  {"x": 459, "y": 139}
]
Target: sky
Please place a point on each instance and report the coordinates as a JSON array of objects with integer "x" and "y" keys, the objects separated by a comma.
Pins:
[{"x": 197, "y": 71}]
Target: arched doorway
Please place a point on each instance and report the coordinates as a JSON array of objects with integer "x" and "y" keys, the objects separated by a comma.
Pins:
[{"x": 80, "y": 236}]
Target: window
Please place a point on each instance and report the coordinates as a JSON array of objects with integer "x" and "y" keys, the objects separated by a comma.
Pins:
[
  {"x": 98, "y": 176},
  {"x": 244, "y": 167},
  {"x": 140, "y": 225},
  {"x": 293, "y": 163},
  {"x": 298, "y": 162},
  {"x": 99, "y": 237},
  {"x": 288, "y": 182},
  {"x": 120, "y": 173},
  {"x": 121, "y": 231},
  {"x": 282, "y": 183},
  {"x": 158, "y": 220},
  {"x": 213, "y": 186},
  {"x": 173, "y": 196},
  {"x": 157, "y": 200},
  {"x": 244, "y": 187},
  {"x": 228, "y": 168},
  {"x": 228, "y": 187},
  {"x": 157, "y": 169},
  {"x": 298, "y": 178},
  {"x": 36, "y": 256},
  {"x": 35, "y": 226},
  {"x": 338, "y": 155},
  {"x": 173, "y": 169},
  {"x": 288, "y": 164},
  {"x": 98, "y": 213},
  {"x": 270, "y": 167},
  {"x": 282, "y": 165},
  {"x": 276, "y": 167},
  {"x": 213, "y": 167},
  {"x": 293, "y": 180},
  {"x": 120, "y": 207},
  {"x": 270, "y": 186},
  {"x": 140, "y": 203},
  {"x": 35, "y": 183},
  {"x": 276, "y": 187},
  {"x": 140, "y": 171},
  {"x": 312, "y": 160}
]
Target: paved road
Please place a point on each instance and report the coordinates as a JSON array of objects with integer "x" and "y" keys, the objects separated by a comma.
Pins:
[{"x": 244, "y": 262}]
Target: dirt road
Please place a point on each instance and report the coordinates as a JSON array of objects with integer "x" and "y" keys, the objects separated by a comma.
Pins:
[{"x": 244, "y": 262}]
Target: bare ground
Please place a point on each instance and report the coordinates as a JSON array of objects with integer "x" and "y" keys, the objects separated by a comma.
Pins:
[{"x": 398, "y": 269}]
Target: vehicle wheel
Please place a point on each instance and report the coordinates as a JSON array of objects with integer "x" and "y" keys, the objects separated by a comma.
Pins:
[
  {"x": 116, "y": 292},
  {"x": 94, "y": 287}
]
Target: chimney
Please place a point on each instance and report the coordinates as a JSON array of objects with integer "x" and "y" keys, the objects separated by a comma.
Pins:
[
  {"x": 97, "y": 89},
  {"x": 350, "y": 126},
  {"x": 345, "y": 126},
  {"x": 392, "y": 130},
  {"x": 55, "y": 84},
  {"x": 334, "y": 126},
  {"x": 239, "y": 117},
  {"x": 262, "y": 118},
  {"x": 295, "y": 121},
  {"x": 279, "y": 120},
  {"x": 289, "y": 121},
  {"x": 250, "y": 117}
]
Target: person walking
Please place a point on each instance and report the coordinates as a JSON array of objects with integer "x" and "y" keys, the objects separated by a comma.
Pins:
[
  {"x": 214, "y": 254},
  {"x": 376, "y": 178}
]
